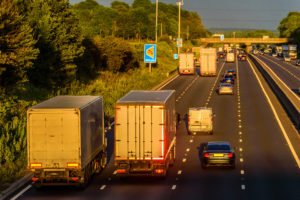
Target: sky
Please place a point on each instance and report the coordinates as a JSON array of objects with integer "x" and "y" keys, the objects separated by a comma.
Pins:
[{"x": 240, "y": 14}]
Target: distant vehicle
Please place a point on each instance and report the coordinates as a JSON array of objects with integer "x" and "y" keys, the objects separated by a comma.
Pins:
[
  {"x": 255, "y": 51},
  {"x": 186, "y": 63},
  {"x": 293, "y": 51},
  {"x": 230, "y": 57},
  {"x": 287, "y": 58},
  {"x": 297, "y": 62},
  {"x": 242, "y": 57},
  {"x": 231, "y": 72},
  {"x": 219, "y": 153},
  {"x": 145, "y": 133},
  {"x": 208, "y": 62},
  {"x": 274, "y": 54},
  {"x": 225, "y": 88},
  {"x": 228, "y": 78},
  {"x": 66, "y": 140},
  {"x": 200, "y": 119},
  {"x": 221, "y": 55}
]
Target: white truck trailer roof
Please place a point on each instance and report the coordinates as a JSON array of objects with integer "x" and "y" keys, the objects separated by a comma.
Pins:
[
  {"x": 146, "y": 97},
  {"x": 66, "y": 102}
]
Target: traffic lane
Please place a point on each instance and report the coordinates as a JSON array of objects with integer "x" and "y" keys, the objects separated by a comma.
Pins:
[
  {"x": 213, "y": 183},
  {"x": 283, "y": 72},
  {"x": 289, "y": 65},
  {"x": 180, "y": 84},
  {"x": 269, "y": 168},
  {"x": 164, "y": 189},
  {"x": 107, "y": 185}
]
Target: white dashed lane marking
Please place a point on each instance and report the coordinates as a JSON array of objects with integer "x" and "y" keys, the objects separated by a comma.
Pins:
[
  {"x": 188, "y": 149},
  {"x": 173, "y": 187},
  {"x": 179, "y": 172},
  {"x": 103, "y": 187},
  {"x": 243, "y": 187}
]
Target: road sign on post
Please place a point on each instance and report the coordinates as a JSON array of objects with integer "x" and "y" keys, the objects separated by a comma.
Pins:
[
  {"x": 222, "y": 37},
  {"x": 150, "y": 53},
  {"x": 179, "y": 42}
]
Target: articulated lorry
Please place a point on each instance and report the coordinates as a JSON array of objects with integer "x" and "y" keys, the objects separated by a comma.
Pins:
[
  {"x": 293, "y": 51},
  {"x": 65, "y": 140},
  {"x": 186, "y": 63},
  {"x": 208, "y": 62},
  {"x": 145, "y": 129}
]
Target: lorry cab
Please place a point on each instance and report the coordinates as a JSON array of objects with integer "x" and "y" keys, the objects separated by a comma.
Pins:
[{"x": 200, "y": 120}]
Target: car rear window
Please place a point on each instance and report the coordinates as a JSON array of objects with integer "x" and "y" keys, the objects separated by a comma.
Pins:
[{"x": 218, "y": 147}]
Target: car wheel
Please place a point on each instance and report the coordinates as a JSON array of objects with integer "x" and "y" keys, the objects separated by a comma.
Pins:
[{"x": 203, "y": 165}]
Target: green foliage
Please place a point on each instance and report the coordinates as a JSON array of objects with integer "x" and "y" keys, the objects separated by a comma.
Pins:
[
  {"x": 115, "y": 54},
  {"x": 290, "y": 27},
  {"x": 136, "y": 22},
  {"x": 60, "y": 43},
  {"x": 146, "y": 4},
  {"x": 289, "y": 24},
  {"x": 12, "y": 136},
  {"x": 17, "y": 50}
]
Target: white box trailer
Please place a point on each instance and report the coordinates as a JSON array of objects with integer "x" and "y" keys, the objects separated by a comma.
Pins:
[
  {"x": 145, "y": 129},
  {"x": 208, "y": 62},
  {"x": 200, "y": 119},
  {"x": 65, "y": 140},
  {"x": 230, "y": 57},
  {"x": 186, "y": 63}
]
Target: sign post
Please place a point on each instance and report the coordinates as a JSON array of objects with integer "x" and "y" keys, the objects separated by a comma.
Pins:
[{"x": 150, "y": 54}]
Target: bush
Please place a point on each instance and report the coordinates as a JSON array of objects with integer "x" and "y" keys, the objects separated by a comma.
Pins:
[{"x": 115, "y": 54}]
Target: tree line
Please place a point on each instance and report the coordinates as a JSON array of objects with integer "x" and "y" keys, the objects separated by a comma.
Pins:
[{"x": 290, "y": 27}]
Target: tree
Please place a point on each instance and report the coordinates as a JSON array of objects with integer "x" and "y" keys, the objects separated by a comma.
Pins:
[
  {"x": 59, "y": 41},
  {"x": 289, "y": 24},
  {"x": 146, "y": 4},
  {"x": 17, "y": 51}
]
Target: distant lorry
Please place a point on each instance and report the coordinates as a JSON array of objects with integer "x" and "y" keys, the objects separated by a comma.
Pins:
[
  {"x": 279, "y": 51},
  {"x": 186, "y": 63},
  {"x": 145, "y": 129},
  {"x": 285, "y": 50},
  {"x": 208, "y": 62},
  {"x": 230, "y": 57},
  {"x": 293, "y": 51},
  {"x": 65, "y": 140},
  {"x": 200, "y": 119}
]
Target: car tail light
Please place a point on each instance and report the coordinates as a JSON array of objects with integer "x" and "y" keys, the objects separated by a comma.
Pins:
[
  {"x": 159, "y": 171},
  {"x": 34, "y": 179},
  {"x": 72, "y": 165},
  {"x": 230, "y": 155},
  {"x": 121, "y": 171},
  {"x": 206, "y": 155},
  {"x": 35, "y": 165},
  {"x": 75, "y": 179}
]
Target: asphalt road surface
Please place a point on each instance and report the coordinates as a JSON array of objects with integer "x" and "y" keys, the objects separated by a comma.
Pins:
[{"x": 265, "y": 166}]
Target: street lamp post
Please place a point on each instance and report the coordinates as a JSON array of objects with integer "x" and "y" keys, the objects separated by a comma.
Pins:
[
  {"x": 156, "y": 21},
  {"x": 179, "y": 3}
]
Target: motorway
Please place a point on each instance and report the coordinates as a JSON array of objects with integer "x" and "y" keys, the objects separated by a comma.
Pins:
[{"x": 266, "y": 168}]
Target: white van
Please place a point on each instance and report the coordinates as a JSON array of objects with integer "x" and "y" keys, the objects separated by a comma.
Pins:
[{"x": 200, "y": 119}]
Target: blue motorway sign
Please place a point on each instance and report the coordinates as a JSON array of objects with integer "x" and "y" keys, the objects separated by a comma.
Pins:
[
  {"x": 150, "y": 53},
  {"x": 175, "y": 56}
]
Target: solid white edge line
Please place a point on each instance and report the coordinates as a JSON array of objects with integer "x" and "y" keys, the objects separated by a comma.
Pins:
[
  {"x": 172, "y": 79},
  {"x": 21, "y": 192},
  {"x": 277, "y": 118},
  {"x": 282, "y": 67},
  {"x": 293, "y": 93}
]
